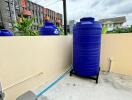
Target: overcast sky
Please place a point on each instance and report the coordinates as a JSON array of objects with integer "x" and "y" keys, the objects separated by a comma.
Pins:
[{"x": 94, "y": 8}]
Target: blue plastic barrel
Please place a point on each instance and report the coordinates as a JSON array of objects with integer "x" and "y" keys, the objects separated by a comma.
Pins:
[
  {"x": 5, "y": 32},
  {"x": 86, "y": 47},
  {"x": 48, "y": 29}
]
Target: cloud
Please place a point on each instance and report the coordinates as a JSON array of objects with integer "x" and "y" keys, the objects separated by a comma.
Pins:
[
  {"x": 95, "y": 3},
  {"x": 74, "y": 0},
  {"x": 111, "y": 2},
  {"x": 99, "y": 9},
  {"x": 125, "y": 8}
]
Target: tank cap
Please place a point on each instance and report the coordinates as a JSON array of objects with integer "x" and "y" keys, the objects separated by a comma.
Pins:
[{"x": 91, "y": 19}]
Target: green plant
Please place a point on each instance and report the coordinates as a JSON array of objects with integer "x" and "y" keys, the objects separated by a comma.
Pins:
[
  {"x": 104, "y": 30},
  {"x": 61, "y": 30},
  {"x": 24, "y": 27}
]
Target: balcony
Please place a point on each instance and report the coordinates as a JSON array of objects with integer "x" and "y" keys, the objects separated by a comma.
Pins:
[{"x": 26, "y": 12}]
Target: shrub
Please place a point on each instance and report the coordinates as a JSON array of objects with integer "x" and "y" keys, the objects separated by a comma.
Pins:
[{"x": 24, "y": 27}]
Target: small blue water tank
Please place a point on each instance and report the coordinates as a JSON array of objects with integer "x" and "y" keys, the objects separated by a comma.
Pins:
[
  {"x": 86, "y": 47},
  {"x": 5, "y": 32},
  {"x": 48, "y": 29}
]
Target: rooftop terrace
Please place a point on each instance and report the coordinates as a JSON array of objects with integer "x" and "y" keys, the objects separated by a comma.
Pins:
[
  {"x": 110, "y": 87},
  {"x": 29, "y": 63}
]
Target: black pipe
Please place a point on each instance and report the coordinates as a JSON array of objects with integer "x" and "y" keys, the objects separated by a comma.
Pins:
[{"x": 65, "y": 17}]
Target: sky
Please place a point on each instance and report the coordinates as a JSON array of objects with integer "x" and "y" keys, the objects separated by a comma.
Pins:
[{"x": 99, "y": 9}]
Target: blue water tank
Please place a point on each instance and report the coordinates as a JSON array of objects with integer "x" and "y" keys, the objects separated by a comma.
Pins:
[
  {"x": 48, "y": 29},
  {"x": 5, "y": 32},
  {"x": 86, "y": 47}
]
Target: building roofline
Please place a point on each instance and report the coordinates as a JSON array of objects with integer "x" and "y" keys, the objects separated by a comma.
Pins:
[{"x": 114, "y": 20}]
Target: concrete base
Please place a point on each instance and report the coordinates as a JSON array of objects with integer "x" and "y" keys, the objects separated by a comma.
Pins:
[
  {"x": 110, "y": 87},
  {"x": 27, "y": 96}
]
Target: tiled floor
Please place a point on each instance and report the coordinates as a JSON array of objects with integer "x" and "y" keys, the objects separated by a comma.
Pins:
[{"x": 110, "y": 87}]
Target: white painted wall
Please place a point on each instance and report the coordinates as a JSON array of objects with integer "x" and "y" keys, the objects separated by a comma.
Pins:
[{"x": 34, "y": 60}]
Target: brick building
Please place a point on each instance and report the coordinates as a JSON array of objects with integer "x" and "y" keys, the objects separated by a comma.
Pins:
[
  {"x": 54, "y": 17},
  {"x": 30, "y": 10},
  {"x": 7, "y": 13},
  {"x": 15, "y": 9}
]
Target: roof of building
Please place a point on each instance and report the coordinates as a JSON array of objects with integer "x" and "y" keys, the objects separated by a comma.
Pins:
[{"x": 114, "y": 20}]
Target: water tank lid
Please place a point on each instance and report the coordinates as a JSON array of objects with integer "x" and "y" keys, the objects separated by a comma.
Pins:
[
  {"x": 88, "y": 22},
  {"x": 91, "y": 19}
]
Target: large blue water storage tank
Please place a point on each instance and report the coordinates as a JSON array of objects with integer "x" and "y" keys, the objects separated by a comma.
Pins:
[{"x": 86, "y": 47}]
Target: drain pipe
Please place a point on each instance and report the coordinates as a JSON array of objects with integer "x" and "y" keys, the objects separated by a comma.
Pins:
[
  {"x": 55, "y": 82},
  {"x": 32, "y": 96},
  {"x": 109, "y": 64}
]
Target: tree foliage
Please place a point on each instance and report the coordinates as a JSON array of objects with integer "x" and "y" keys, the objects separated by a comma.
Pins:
[{"x": 123, "y": 30}]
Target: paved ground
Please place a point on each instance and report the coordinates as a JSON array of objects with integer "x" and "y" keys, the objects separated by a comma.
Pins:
[{"x": 110, "y": 87}]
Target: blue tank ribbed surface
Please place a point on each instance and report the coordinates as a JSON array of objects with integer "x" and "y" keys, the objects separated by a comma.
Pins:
[{"x": 86, "y": 47}]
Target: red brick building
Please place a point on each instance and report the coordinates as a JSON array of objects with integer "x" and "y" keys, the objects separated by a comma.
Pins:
[{"x": 30, "y": 9}]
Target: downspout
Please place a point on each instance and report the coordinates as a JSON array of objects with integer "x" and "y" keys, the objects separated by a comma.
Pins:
[{"x": 109, "y": 64}]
